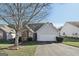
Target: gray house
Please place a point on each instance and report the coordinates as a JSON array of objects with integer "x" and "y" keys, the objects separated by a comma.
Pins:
[
  {"x": 70, "y": 29},
  {"x": 6, "y": 32},
  {"x": 42, "y": 31}
]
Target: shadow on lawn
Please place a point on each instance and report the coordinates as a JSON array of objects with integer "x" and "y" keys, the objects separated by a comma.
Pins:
[{"x": 3, "y": 48}]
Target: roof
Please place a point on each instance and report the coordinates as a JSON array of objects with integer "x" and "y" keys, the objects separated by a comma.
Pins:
[
  {"x": 36, "y": 26},
  {"x": 75, "y": 23},
  {"x": 5, "y": 28}
]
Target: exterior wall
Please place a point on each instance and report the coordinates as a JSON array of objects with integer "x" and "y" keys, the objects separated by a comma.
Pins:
[
  {"x": 10, "y": 36},
  {"x": 1, "y": 34},
  {"x": 7, "y": 34},
  {"x": 69, "y": 30},
  {"x": 48, "y": 32},
  {"x": 30, "y": 34},
  {"x": 26, "y": 34}
]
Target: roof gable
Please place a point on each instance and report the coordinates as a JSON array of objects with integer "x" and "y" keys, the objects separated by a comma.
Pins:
[
  {"x": 36, "y": 26},
  {"x": 74, "y": 23},
  {"x": 48, "y": 28},
  {"x": 5, "y": 28}
]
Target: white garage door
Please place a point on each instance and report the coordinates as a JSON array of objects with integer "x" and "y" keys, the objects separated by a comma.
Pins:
[{"x": 46, "y": 38}]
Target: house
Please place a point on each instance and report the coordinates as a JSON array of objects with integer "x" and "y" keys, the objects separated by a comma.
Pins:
[
  {"x": 6, "y": 32},
  {"x": 42, "y": 31},
  {"x": 70, "y": 29}
]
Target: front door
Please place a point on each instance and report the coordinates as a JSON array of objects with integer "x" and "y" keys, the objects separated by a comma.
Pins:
[{"x": 35, "y": 36}]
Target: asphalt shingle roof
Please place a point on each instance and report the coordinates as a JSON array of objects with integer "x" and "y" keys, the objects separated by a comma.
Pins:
[
  {"x": 75, "y": 23},
  {"x": 36, "y": 26}
]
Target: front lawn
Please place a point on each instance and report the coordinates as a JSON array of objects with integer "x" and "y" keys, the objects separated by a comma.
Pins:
[
  {"x": 71, "y": 41},
  {"x": 75, "y": 44},
  {"x": 25, "y": 50}
]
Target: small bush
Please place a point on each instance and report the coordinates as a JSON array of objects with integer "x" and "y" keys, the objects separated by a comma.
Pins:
[
  {"x": 11, "y": 40},
  {"x": 3, "y": 41},
  {"x": 71, "y": 39},
  {"x": 59, "y": 39},
  {"x": 29, "y": 39}
]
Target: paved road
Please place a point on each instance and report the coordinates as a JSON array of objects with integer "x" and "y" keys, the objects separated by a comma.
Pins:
[{"x": 56, "y": 49}]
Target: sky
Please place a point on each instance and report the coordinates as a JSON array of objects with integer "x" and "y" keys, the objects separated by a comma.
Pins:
[{"x": 61, "y": 13}]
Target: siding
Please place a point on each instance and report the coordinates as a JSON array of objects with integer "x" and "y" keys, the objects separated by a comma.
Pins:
[
  {"x": 3, "y": 34},
  {"x": 69, "y": 30}
]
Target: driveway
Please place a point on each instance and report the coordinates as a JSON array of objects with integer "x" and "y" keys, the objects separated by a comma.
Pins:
[{"x": 56, "y": 49}]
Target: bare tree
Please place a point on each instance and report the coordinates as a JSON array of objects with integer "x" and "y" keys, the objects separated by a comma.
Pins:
[{"x": 19, "y": 14}]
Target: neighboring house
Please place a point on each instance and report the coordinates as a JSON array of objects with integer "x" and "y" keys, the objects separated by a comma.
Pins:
[
  {"x": 70, "y": 29},
  {"x": 42, "y": 31},
  {"x": 6, "y": 32}
]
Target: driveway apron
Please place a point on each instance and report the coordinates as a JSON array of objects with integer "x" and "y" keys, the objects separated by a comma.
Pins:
[{"x": 56, "y": 49}]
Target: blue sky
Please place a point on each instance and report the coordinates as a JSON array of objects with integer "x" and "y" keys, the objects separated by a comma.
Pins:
[{"x": 61, "y": 13}]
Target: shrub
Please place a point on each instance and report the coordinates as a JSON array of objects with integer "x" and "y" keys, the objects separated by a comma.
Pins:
[
  {"x": 59, "y": 39},
  {"x": 71, "y": 39},
  {"x": 3, "y": 41},
  {"x": 12, "y": 40},
  {"x": 29, "y": 39}
]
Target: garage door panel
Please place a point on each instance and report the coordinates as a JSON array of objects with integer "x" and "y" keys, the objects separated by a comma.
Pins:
[{"x": 46, "y": 38}]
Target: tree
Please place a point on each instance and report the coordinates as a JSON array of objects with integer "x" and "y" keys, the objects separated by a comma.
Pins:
[{"x": 21, "y": 14}]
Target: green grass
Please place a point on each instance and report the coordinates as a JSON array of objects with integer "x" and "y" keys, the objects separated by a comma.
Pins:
[
  {"x": 71, "y": 41},
  {"x": 75, "y": 44},
  {"x": 25, "y": 50}
]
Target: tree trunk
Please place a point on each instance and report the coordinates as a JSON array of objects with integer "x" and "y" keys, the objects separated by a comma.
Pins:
[{"x": 17, "y": 40}]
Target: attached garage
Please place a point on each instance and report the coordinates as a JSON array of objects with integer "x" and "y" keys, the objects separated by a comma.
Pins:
[
  {"x": 47, "y": 33},
  {"x": 43, "y": 31}
]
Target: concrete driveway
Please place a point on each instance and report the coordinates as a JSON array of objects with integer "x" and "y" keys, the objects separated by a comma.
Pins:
[{"x": 56, "y": 49}]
